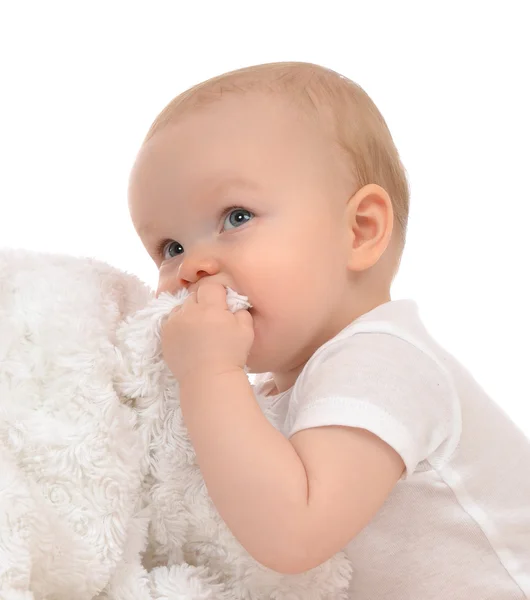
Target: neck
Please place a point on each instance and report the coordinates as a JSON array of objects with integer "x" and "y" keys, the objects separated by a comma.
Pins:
[{"x": 285, "y": 379}]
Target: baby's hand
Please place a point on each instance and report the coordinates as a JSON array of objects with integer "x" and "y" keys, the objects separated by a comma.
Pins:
[{"x": 202, "y": 337}]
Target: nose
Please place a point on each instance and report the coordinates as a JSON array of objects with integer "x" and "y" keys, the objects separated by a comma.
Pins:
[
  {"x": 194, "y": 266},
  {"x": 191, "y": 270}
]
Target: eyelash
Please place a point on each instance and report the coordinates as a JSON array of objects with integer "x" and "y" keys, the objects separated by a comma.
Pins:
[{"x": 222, "y": 216}]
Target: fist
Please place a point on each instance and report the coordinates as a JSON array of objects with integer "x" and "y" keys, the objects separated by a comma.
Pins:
[{"x": 203, "y": 337}]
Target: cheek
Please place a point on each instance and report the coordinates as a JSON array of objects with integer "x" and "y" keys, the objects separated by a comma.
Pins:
[
  {"x": 166, "y": 283},
  {"x": 289, "y": 274}
]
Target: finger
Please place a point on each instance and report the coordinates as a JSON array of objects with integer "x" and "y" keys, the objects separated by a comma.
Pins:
[
  {"x": 191, "y": 298},
  {"x": 212, "y": 294},
  {"x": 244, "y": 318}
]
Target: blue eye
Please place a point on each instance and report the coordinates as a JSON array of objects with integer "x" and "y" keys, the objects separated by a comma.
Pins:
[
  {"x": 237, "y": 217},
  {"x": 171, "y": 249}
]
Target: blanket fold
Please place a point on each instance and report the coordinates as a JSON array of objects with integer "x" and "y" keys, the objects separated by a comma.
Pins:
[{"x": 100, "y": 493}]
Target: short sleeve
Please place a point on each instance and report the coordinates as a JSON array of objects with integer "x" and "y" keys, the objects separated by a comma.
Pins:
[{"x": 386, "y": 385}]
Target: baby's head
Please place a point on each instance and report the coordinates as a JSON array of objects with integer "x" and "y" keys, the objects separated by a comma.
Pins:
[{"x": 304, "y": 160}]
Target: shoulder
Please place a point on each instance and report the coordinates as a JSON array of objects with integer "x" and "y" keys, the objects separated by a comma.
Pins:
[
  {"x": 386, "y": 384},
  {"x": 370, "y": 358}
]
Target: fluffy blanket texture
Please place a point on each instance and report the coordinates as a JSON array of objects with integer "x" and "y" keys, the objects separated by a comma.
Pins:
[{"x": 100, "y": 494}]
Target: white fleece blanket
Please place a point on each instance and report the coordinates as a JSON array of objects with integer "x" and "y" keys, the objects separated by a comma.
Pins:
[{"x": 100, "y": 494}]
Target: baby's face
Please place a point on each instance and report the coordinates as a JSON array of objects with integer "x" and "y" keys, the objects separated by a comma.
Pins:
[{"x": 247, "y": 193}]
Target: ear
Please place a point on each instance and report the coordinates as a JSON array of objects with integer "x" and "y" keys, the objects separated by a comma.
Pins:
[{"x": 370, "y": 220}]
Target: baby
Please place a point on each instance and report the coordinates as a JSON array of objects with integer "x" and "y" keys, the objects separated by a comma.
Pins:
[{"x": 282, "y": 182}]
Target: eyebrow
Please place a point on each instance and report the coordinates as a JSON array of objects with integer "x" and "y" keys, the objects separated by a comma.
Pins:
[
  {"x": 212, "y": 185},
  {"x": 216, "y": 184}
]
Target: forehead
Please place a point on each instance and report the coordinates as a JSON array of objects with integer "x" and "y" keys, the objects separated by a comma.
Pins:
[
  {"x": 228, "y": 130},
  {"x": 215, "y": 187},
  {"x": 249, "y": 142}
]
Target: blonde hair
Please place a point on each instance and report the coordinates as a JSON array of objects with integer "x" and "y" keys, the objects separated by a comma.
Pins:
[{"x": 359, "y": 128}]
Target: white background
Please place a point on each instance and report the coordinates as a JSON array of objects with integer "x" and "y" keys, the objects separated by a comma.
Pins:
[{"x": 82, "y": 82}]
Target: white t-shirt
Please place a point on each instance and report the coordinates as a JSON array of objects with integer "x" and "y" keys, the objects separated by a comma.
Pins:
[{"x": 457, "y": 525}]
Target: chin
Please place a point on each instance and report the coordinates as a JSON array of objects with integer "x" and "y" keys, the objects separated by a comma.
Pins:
[
  {"x": 259, "y": 363},
  {"x": 255, "y": 366}
]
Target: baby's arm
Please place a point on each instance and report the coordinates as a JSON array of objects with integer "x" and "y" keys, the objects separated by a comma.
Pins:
[{"x": 291, "y": 503}]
